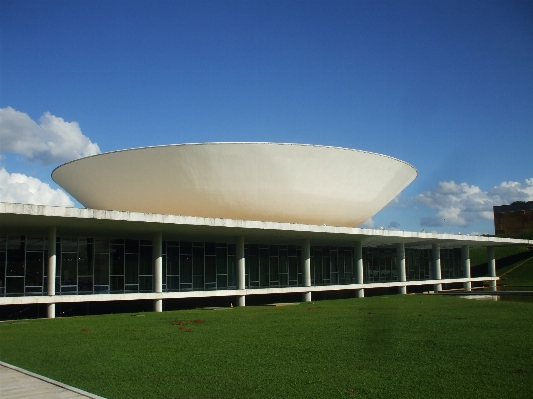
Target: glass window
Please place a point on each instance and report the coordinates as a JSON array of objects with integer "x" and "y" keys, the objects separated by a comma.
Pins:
[
  {"x": 15, "y": 256},
  {"x": 69, "y": 244},
  {"x": 173, "y": 254},
  {"x": 15, "y": 285},
  {"x": 34, "y": 268},
  {"x": 293, "y": 269},
  {"x": 101, "y": 269},
  {"x": 69, "y": 268},
  {"x": 231, "y": 272},
  {"x": 186, "y": 269},
  {"x": 198, "y": 261},
  {"x": 274, "y": 270},
  {"x": 132, "y": 268},
  {"x": 210, "y": 269},
  {"x": 173, "y": 283},
  {"x": 85, "y": 284},
  {"x": 2, "y": 270},
  {"x": 145, "y": 283},
  {"x": 34, "y": 243},
  {"x": 117, "y": 283},
  {"x": 117, "y": 260},
  {"x": 210, "y": 248},
  {"x": 101, "y": 246},
  {"x": 222, "y": 261},
  {"x": 186, "y": 248},
  {"x": 145, "y": 261},
  {"x": 264, "y": 266},
  {"x": 131, "y": 246},
  {"x": 85, "y": 257}
]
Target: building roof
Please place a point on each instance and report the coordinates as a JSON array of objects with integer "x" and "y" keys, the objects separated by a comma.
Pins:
[
  {"x": 294, "y": 183},
  {"x": 37, "y": 219}
]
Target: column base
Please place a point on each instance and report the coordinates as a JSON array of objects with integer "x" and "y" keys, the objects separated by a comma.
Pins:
[
  {"x": 402, "y": 290},
  {"x": 158, "y": 305},
  {"x": 467, "y": 286},
  {"x": 493, "y": 285},
  {"x": 51, "y": 311},
  {"x": 241, "y": 300},
  {"x": 306, "y": 296},
  {"x": 437, "y": 288},
  {"x": 360, "y": 293}
]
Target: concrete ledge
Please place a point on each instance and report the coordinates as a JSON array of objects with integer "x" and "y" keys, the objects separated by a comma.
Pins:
[
  {"x": 23, "y": 300},
  {"x": 66, "y": 218}
]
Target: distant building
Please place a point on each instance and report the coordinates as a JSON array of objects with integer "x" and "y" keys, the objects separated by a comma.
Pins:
[{"x": 514, "y": 220}]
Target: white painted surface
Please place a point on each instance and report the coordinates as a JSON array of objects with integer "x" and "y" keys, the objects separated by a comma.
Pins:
[
  {"x": 21, "y": 300},
  {"x": 436, "y": 273},
  {"x": 52, "y": 261},
  {"x": 72, "y": 221},
  {"x": 492, "y": 267},
  {"x": 358, "y": 263},
  {"x": 400, "y": 262},
  {"x": 241, "y": 269},
  {"x": 253, "y": 181},
  {"x": 465, "y": 260}
]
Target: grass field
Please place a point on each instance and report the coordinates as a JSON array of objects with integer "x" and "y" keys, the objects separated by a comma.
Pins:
[
  {"x": 479, "y": 255},
  {"x": 380, "y": 347},
  {"x": 518, "y": 275}
]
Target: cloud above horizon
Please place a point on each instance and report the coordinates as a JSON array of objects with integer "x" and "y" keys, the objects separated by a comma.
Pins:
[
  {"x": 52, "y": 140},
  {"x": 463, "y": 204},
  {"x": 19, "y": 188}
]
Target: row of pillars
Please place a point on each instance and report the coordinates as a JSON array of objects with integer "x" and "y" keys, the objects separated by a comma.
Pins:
[{"x": 306, "y": 268}]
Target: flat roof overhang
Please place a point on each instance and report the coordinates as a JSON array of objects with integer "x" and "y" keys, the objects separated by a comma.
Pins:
[{"x": 31, "y": 219}]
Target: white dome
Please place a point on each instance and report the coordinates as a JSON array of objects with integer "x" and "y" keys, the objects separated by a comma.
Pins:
[{"x": 293, "y": 183}]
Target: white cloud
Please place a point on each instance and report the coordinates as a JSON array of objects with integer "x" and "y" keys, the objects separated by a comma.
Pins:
[
  {"x": 52, "y": 140},
  {"x": 19, "y": 188},
  {"x": 395, "y": 226},
  {"x": 369, "y": 224},
  {"x": 463, "y": 204}
]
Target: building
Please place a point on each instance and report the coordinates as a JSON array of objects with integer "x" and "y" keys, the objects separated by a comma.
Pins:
[
  {"x": 514, "y": 220},
  {"x": 173, "y": 229}
]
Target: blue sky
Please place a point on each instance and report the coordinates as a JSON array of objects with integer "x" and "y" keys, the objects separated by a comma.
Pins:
[{"x": 444, "y": 85}]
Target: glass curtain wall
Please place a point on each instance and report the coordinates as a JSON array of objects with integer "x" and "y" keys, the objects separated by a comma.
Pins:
[
  {"x": 92, "y": 265},
  {"x": 272, "y": 266},
  {"x": 450, "y": 263},
  {"x": 331, "y": 265},
  {"x": 379, "y": 265},
  {"x": 417, "y": 263}
]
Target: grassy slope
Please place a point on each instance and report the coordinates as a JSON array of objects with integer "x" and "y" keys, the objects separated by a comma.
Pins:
[
  {"x": 478, "y": 256},
  {"x": 398, "y": 346},
  {"x": 519, "y": 274},
  {"x": 507, "y": 260}
]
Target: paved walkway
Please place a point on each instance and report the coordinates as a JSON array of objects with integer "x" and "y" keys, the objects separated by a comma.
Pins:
[{"x": 17, "y": 383}]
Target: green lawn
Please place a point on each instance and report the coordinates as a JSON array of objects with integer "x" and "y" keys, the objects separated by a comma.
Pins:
[
  {"x": 519, "y": 275},
  {"x": 478, "y": 256},
  {"x": 381, "y": 347}
]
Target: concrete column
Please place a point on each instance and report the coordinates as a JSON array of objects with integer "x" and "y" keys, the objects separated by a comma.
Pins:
[
  {"x": 241, "y": 270},
  {"x": 358, "y": 267},
  {"x": 492, "y": 267},
  {"x": 436, "y": 275},
  {"x": 400, "y": 263},
  {"x": 157, "y": 251},
  {"x": 465, "y": 260},
  {"x": 52, "y": 237},
  {"x": 306, "y": 269}
]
